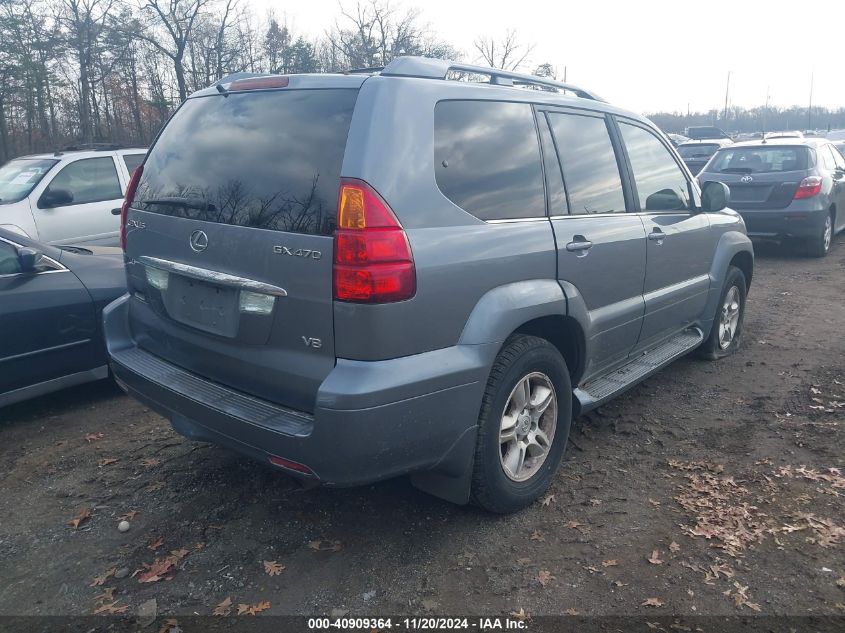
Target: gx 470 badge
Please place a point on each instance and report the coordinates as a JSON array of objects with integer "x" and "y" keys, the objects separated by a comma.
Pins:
[{"x": 298, "y": 252}]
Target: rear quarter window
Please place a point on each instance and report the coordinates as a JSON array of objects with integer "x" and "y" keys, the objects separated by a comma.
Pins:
[{"x": 487, "y": 158}]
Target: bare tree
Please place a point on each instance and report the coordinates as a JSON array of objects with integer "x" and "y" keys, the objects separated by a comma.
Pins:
[
  {"x": 176, "y": 18},
  {"x": 506, "y": 53}
]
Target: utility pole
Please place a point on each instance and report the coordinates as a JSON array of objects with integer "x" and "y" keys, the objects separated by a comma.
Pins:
[
  {"x": 727, "y": 90},
  {"x": 810, "y": 109},
  {"x": 564, "y": 74},
  {"x": 766, "y": 111}
]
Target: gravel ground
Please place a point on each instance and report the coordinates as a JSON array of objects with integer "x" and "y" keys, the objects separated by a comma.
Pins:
[{"x": 710, "y": 489}]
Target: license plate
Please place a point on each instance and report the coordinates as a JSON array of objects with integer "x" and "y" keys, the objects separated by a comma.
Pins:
[{"x": 204, "y": 306}]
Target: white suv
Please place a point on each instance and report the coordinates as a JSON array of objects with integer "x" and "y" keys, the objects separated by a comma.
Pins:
[{"x": 67, "y": 197}]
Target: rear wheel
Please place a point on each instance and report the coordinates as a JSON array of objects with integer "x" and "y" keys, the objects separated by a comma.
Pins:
[
  {"x": 523, "y": 425},
  {"x": 726, "y": 331},
  {"x": 819, "y": 246}
]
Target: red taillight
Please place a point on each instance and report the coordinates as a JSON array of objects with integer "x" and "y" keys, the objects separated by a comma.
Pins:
[
  {"x": 127, "y": 201},
  {"x": 372, "y": 258},
  {"x": 260, "y": 83},
  {"x": 290, "y": 465},
  {"x": 808, "y": 188}
]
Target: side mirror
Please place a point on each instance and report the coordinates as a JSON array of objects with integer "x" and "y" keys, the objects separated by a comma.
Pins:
[
  {"x": 55, "y": 198},
  {"x": 714, "y": 196},
  {"x": 29, "y": 259}
]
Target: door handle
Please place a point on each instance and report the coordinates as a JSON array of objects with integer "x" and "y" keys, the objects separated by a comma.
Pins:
[
  {"x": 579, "y": 243},
  {"x": 657, "y": 236}
]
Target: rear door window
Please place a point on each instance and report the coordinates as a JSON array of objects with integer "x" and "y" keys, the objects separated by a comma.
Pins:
[
  {"x": 487, "y": 158},
  {"x": 661, "y": 184},
  {"x": 267, "y": 160},
  {"x": 132, "y": 161},
  {"x": 89, "y": 180},
  {"x": 590, "y": 170}
]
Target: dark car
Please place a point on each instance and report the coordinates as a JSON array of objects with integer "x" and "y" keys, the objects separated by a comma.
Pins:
[
  {"x": 696, "y": 153},
  {"x": 789, "y": 189},
  {"x": 703, "y": 132},
  {"x": 51, "y": 300}
]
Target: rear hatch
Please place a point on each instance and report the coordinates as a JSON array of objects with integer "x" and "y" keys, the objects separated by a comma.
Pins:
[
  {"x": 229, "y": 238},
  {"x": 763, "y": 177}
]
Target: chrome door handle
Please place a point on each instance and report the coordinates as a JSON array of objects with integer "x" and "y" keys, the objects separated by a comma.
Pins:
[
  {"x": 579, "y": 243},
  {"x": 657, "y": 236}
]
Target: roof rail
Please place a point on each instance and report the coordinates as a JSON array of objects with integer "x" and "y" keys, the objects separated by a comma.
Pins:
[
  {"x": 97, "y": 147},
  {"x": 430, "y": 68}
]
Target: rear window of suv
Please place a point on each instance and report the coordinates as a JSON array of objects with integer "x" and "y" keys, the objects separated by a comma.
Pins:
[
  {"x": 754, "y": 160},
  {"x": 268, "y": 160},
  {"x": 487, "y": 158}
]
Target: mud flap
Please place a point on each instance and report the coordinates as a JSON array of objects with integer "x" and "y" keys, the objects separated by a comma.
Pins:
[{"x": 451, "y": 478}]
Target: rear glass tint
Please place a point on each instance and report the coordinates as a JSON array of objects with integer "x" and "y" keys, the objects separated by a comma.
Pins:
[
  {"x": 268, "y": 160},
  {"x": 487, "y": 158},
  {"x": 762, "y": 159},
  {"x": 702, "y": 150}
]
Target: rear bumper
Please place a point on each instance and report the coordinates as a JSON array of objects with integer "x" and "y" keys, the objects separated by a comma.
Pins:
[
  {"x": 372, "y": 420},
  {"x": 783, "y": 223}
]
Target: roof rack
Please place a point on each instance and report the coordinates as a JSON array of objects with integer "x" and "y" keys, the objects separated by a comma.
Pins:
[{"x": 429, "y": 68}]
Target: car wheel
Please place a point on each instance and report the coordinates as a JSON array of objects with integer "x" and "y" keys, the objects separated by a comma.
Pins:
[
  {"x": 819, "y": 246},
  {"x": 726, "y": 331},
  {"x": 524, "y": 424}
]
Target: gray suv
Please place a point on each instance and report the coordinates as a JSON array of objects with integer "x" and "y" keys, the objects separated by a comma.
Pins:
[
  {"x": 786, "y": 188},
  {"x": 355, "y": 277}
]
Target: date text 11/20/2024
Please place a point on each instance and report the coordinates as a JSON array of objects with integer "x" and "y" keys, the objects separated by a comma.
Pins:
[{"x": 419, "y": 624}]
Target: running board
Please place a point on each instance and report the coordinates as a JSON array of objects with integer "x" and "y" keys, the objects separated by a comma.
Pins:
[{"x": 599, "y": 390}]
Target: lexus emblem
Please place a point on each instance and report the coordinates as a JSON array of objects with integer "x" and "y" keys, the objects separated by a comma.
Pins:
[
  {"x": 199, "y": 241},
  {"x": 746, "y": 179}
]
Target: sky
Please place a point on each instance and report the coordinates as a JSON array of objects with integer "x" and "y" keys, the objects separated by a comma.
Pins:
[{"x": 646, "y": 55}]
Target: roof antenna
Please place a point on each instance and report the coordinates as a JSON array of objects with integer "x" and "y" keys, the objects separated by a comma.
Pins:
[{"x": 222, "y": 90}]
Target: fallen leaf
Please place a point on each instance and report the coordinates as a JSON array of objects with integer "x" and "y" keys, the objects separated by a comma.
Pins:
[
  {"x": 179, "y": 554},
  {"x": 652, "y": 602},
  {"x": 520, "y": 615},
  {"x": 548, "y": 500},
  {"x": 106, "y": 461},
  {"x": 573, "y": 525},
  {"x": 157, "y": 569},
  {"x": 84, "y": 513},
  {"x": 430, "y": 605},
  {"x": 674, "y": 547},
  {"x": 595, "y": 502},
  {"x": 536, "y": 535},
  {"x": 252, "y": 609},
  {"x": 106, "y": 596},
  {"x": 610, "y": 563},
  {"x": 224, "y": 608},
  {"x": 325, "y": 546},
  {"x": 619, "y": 583},
  {"x": 155, "y": 544},
  {"x": 571, "y": 612},
  {"x": 101, "y": 580},
  {"x": 169, "y": 626},
  {"x": 149, "y": 462},
  {"x": 841, "y": 582},
  {"x": 111, "y": 609},
  {"x": 272, "y": 568},
  {"x": 653, "y": 502},
  {"x": 544, "y": 577},
  {"x": 128, "y": 516},
  {"x": 523, "y": 561},
  {"x": 155, "y": 486},
  {"x": 654, "y": 559},
  {"x": 93, "y": 437}
]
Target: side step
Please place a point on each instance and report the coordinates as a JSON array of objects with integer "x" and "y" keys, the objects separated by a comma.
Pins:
[{"x": 599, "y": 390}]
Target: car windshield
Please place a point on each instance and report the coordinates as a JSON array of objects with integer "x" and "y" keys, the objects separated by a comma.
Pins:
[
  {"x": 699, "y": 150},
  {"x": 754, "y": 160},
  {"x": 18, "y": 177}
]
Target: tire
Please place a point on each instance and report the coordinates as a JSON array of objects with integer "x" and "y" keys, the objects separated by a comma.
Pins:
[
  {"x": 522, "y": 357},
  {"x": 714, "y": 347},
  {"x": 819, "y": 246}
]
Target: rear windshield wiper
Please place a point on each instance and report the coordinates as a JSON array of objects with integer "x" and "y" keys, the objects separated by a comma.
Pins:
[{"x": 188, "y": 203}]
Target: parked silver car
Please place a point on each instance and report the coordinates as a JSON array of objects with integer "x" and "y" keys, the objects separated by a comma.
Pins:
[
  {"x": 67, "y": 197},
  {"x": 354, "y": 277}
]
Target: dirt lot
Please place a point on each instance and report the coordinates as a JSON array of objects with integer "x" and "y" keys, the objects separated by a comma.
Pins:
[{"x": 713, "y": 488}]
